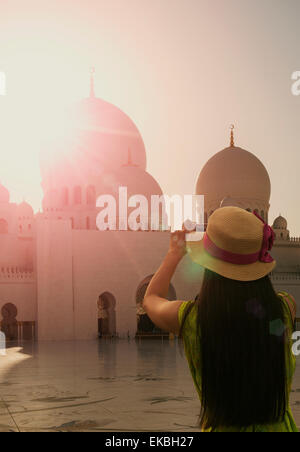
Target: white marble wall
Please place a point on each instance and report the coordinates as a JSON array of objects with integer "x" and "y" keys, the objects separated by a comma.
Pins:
[{"x": 54, "y": 280}]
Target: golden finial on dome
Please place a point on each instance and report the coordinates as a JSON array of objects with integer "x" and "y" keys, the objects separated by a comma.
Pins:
[
  {"x": 92, "y": 87},
  {"x": 232, "y": 136}
]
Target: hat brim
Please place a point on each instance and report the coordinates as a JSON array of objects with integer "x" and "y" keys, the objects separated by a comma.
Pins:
[{"x": 248, "y": 272}]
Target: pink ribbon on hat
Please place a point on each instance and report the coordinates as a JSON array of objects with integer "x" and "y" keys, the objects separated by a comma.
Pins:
[
  {"x": 243, "y": 259},
  {"x": 268, "y": 241}
]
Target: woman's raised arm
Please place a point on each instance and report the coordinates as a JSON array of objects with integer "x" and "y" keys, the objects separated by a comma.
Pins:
[{"x": 162, "y": 312}]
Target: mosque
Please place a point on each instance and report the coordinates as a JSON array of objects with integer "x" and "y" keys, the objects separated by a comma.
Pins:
[{"x": 63, "y": 279}]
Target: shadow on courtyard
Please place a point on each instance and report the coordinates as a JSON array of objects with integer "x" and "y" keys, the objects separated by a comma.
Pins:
[{"x": 107, "y": 385}]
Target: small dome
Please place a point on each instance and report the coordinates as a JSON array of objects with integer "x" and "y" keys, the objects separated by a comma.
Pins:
[
  {"x": 280, "y": 223},
  {"x": 137, "y": 181},
  {"x": 234, "y": 173},
  {"x": 4, "y": 194},
  {"x": 24, "y": 210}
]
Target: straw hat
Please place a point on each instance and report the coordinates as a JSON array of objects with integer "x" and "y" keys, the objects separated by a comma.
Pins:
[{"x": 235, "y": 245}]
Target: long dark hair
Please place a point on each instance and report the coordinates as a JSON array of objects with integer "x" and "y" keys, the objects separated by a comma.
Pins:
[{"x": 241, "y": 340}]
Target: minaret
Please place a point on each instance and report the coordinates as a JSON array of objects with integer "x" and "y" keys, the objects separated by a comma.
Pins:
[{"x": 92, "y": 84}]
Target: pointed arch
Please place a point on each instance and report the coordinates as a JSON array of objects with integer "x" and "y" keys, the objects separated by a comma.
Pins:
[
  {"x": 9, "y": 324},
  {"x": 107, "y": 315}
]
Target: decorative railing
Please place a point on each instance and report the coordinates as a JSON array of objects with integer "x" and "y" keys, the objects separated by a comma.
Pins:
[
  {"x": 287, "y": 276},
  {"x": 30, "y": 326},
  {"x": 285, "y": 240},
  {"x": 154, "y": 335},
  {"x": 16, "y": 273},
  {"x": 24, "y": 330}
]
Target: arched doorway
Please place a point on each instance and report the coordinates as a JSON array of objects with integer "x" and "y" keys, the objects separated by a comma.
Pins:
[
  {"x": 106, "y": 315},
  {"x": 145, "y": 326},
  {"x": 9, "y": 324}
]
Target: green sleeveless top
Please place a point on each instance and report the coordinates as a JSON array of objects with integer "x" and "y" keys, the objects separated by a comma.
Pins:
[{"x": 192, "y": 354}]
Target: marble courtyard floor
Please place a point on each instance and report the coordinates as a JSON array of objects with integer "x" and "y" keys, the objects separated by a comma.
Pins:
[{"x": 106, "y": 386}]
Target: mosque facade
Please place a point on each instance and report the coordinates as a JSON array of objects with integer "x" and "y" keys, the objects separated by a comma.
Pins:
[{"x": 63, "y": 279}]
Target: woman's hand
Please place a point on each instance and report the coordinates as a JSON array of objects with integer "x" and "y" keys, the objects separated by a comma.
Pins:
[
  {"x": 160, "y": 283},
  {"x": 177, "y": 247}
]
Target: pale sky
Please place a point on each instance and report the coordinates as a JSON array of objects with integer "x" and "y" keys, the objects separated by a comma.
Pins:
[{"x": 183, "y": 70}]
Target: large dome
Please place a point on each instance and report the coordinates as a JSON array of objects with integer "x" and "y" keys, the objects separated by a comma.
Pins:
[
  {"x": 97, "y": 114},
  {"x": 4, "y": 194},
  {"x": 24, "y": 210},
  {"x": 115, "y": 131},
  {"x": 234, "y": 173},
  {"x": 103, "y": 134}
]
